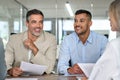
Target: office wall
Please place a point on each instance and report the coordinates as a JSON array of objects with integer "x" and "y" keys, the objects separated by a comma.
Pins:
[{"x": 12, "y": 20}]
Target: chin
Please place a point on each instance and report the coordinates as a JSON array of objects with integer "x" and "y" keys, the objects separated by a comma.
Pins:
[
  {"x": 113, "y": 29},
  {"x": 77, "y": 31},
  {"x": 36, "y": 34}
]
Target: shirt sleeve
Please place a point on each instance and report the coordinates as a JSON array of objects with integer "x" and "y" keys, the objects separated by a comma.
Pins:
[
  {"x": 9, "y": 53},
  {"x": 64, "y": 57}
]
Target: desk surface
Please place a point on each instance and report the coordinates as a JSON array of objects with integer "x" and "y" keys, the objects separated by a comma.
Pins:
[{"x": 49, "y": 77}]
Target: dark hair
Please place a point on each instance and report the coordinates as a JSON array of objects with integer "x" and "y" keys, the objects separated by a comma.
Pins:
[
  {"x": 33, "y": 11},
  {"x": 84, "y": 11}
]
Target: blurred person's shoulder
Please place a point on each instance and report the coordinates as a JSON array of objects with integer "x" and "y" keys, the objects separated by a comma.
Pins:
[{"x": 115, "y": 41}]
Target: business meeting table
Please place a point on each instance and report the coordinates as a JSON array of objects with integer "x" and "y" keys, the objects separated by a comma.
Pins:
[{"x": 43, "y": 77}]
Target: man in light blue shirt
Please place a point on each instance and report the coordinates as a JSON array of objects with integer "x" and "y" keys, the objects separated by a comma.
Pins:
[{"x": 82, "y": 46}]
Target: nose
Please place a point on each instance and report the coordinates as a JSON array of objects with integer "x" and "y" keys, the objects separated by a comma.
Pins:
[
  {"x": 77, "y": 23},
  {"x": 39, "y": 24}
]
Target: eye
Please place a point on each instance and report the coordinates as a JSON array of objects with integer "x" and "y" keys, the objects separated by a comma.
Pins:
[
  {"x": 33, "y": 21},
  {"x": 82, "y": 20},
  {"x": 41, "y": 22}
]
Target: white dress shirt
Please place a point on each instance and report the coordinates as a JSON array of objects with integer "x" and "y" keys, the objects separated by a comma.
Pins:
[{"x": 108, "y": 66}]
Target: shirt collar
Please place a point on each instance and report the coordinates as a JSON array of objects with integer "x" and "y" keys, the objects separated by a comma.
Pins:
[{"x": 90, "y": 37}]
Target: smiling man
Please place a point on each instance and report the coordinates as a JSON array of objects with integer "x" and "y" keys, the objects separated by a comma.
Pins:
[
  {"x": 81, "y": 46},
  {"x": 34, "y": 45}
]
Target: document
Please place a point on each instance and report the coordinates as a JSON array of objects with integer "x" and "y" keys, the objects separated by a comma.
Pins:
[
  {"x": 22, "y": 79},
  {"x": 78, "y": 78},
  {"x": 86, "y": 68},
  {"x": 32, "y": 69}
]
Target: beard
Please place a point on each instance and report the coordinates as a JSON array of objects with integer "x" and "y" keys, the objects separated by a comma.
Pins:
[
  {"x": 37, "y": 34},
  {"x": 81, "y": 33}
]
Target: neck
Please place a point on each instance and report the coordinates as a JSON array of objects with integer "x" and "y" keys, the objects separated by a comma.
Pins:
[{"x": 84, "y": 37}]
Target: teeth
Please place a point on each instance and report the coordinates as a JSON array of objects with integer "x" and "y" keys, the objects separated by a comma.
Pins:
[
  {"x": 77, "y": 27},
  {"x": 37, "y": 29}
]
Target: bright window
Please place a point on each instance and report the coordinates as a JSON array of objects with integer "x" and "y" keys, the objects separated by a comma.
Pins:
[{"x": 4, "y": 31}]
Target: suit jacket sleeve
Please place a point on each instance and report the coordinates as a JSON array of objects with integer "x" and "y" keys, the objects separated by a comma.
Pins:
[{"x": 46, "y": 54}]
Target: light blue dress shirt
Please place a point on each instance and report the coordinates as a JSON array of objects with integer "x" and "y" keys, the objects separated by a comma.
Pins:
[
  {"x": 2, "y": 62},
  {"x": 72, "y": 49}
]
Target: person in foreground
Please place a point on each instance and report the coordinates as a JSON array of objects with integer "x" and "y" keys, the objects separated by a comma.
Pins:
[
  {"x": 81, "y": 46},
  {"x": 34, "y": 45},
  {"x": 108, "y": 66},
  {"x": 2, "y": 61}
]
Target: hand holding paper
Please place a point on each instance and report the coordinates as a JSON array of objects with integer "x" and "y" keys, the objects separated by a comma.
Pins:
[{"x": 33, "y": 69}]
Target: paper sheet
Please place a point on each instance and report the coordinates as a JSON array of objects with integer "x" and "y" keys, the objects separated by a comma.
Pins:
[
  {"x": 86, "y": 68},
  {"x": 22, "y": 79},
  {"x": 78, "y": 78},
  {"x": 33, "y": 69}
]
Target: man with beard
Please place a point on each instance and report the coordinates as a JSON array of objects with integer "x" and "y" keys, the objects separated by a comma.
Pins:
[
  {"x": 81, "y": 46},
  {"x": 34, "y": 45}
]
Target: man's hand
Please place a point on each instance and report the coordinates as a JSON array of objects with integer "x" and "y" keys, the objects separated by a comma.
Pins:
[
  {"x": 28, "y": 43},
  {"x": 75, "y": 70},
  {"x": 15, "y": 71}
]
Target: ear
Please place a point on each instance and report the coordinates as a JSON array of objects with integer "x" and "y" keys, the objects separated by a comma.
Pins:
[
  {"x": 27, "y": 23},
  {"x": 90, "y": 23}
]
